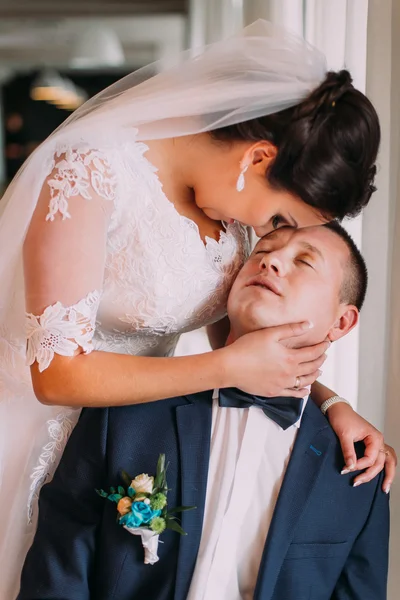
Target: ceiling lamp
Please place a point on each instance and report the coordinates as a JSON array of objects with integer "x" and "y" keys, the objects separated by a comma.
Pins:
[
  {"x": 48, "y": 85},
  {"x": 62, "y": 92},
  {"x": 71, "y": 97},
  {"x": 98, "y": 46}
]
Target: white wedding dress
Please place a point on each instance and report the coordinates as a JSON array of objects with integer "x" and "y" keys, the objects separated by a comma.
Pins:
[{"x": 141, "y": 276}]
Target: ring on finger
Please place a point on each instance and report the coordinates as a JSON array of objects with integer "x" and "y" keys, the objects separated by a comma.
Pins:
[{"x": 297, "y": 384}]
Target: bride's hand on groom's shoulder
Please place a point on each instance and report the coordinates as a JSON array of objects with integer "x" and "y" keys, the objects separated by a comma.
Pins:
[
  {"x": 260, "y": 363},
  {"x": 350, "y": 427}
]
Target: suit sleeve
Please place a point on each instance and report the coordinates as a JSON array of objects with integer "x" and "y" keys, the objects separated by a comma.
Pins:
[
  {"x": 60, "y": 562},
  {"x": 364, "y": 576}
]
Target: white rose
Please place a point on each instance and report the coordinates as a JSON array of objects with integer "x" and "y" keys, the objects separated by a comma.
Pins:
[{"x": 143, "y": 483}]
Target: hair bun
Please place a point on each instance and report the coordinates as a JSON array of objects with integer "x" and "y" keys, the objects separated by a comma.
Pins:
[
  {"x": 327, "y": 94},
  {"x": 327, "y": 146},
  {"x": 335, "y": 85}
]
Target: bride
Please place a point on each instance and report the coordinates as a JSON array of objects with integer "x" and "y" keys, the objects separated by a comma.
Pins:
[{"x": 127, "y": 227}]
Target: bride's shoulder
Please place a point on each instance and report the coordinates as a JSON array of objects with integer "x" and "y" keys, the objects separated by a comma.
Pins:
[
  {"x": 103, "y": 150},
  {"x": 86, "y": 166},
  {"x": 81, "y": 168}
]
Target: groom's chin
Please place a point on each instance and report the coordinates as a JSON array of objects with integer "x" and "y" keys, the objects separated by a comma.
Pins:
[{"x": 248, "y": 323}]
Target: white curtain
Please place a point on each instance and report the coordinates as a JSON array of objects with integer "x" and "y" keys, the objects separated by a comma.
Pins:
[{"x": 213, "y": 20}]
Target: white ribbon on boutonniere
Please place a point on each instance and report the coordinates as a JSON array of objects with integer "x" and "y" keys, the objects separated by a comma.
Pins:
[{"x": 149, "y": 542}]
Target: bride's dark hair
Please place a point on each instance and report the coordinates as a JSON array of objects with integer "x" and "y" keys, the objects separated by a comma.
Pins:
[{"x": 327, "y": 146}]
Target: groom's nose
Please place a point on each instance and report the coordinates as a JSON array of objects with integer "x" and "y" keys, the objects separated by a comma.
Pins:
[{"x": 274, "y": 263}]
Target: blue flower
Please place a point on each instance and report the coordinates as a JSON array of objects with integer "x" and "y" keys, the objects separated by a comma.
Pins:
[
  {"x": 130, "y": 520},
  {"x": 141, "y": 514}
]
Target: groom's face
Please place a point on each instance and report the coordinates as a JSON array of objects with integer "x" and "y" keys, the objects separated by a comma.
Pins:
[{"x": 292, "y": 275}]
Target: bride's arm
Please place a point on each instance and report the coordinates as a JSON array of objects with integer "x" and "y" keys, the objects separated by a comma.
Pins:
[
  {"x": 350, "y": 427},
  {"x": 109, "y": 379}
]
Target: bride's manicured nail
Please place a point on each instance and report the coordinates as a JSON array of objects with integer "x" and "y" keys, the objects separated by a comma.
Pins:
[
  {"x": 350, "y": 467},
  {"x": 387, "y": 489},
  {"x": 357, "y": 483},
  {"x": 345, "y": 471}
]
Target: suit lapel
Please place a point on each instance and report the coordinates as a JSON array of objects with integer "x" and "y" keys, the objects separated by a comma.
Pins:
[
  {"x": 308, "y": 457},
  {"x": 194, "y": 432}
]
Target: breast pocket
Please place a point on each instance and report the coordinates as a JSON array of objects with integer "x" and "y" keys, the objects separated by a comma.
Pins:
[
  {"x": 310, "y": 571},
  {"x": 298, "y": 551}
]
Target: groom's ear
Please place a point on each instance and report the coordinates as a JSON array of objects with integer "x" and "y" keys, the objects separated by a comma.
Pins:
[{"x": 346, "y": 321}]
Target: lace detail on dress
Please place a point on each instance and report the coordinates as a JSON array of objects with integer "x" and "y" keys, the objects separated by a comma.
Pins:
[
  {"x": 160, "y": 277},
  {"x": 59, "y": 430},
  {"x": 61, "y": 330},
  {"x": 77, "y": 170}
]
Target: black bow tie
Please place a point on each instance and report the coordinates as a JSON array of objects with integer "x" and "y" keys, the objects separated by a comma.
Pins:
[{"x": 285, "y": 411}]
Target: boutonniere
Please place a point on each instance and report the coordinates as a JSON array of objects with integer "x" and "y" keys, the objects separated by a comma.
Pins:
[{"x": 143, "y": 508}]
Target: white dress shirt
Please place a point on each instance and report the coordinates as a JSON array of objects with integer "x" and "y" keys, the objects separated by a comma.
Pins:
[{"x": 249, "y": 455}]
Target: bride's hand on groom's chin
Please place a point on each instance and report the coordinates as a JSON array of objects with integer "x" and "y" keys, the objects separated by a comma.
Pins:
[
  {"x": 350, "y": 427},
  {"x": 260, "y": 363}
]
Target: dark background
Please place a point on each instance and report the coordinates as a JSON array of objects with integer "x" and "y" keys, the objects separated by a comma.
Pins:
[{"x": 28, "y": 122}]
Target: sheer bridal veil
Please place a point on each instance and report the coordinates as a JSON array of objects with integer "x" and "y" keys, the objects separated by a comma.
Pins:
[{"x": 260, "y": 71}]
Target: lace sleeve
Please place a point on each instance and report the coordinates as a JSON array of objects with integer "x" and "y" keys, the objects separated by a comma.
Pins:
[
  {"x": 61, "y": 330},
  {"x": 79, "y": 172},
  {"x": 64, "y": 254}
]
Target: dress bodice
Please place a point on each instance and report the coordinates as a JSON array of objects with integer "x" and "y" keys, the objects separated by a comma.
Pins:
[{"x": 160, "y": 278}]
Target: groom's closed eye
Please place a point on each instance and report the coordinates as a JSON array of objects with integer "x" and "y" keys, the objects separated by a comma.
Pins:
[
  {"x": 305, "y": 261},
  {"x": 313, "y": 250}
]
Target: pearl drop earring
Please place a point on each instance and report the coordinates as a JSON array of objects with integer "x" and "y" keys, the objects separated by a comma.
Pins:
[{"x": 241, "y": 182}]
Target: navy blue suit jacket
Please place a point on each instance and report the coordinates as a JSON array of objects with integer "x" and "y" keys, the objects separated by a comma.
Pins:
[{"x": 327, "y": 540}]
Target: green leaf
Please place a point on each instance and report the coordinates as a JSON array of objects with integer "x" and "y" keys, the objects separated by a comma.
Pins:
[
  {"x": 161, "y": 464},
  {"x": 180, "y": 509},
  {"x": 114, "y": 497},
  {"x": 113, "y": 490},
  {"x": 164, "y": 483},
  {"x": 121, "y": 490},
  {"x": 131, "y": 492},
  {"x": 127, "y": 478},
  {"x": 175, "y": 527},
  {"x": 160, "y": 476},
  {"x": 102, "y": 493}
]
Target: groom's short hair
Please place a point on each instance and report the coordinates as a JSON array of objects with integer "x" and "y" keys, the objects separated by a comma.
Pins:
[{"x": 355, "y": 280}]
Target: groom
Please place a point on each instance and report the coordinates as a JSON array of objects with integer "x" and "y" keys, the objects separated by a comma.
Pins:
[{"x": 275, "y": 519}]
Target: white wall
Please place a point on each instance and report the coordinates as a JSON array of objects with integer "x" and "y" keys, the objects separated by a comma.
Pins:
[
  {"x": 378, "y": 221},
  {"x": 380, "y": 333}
]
